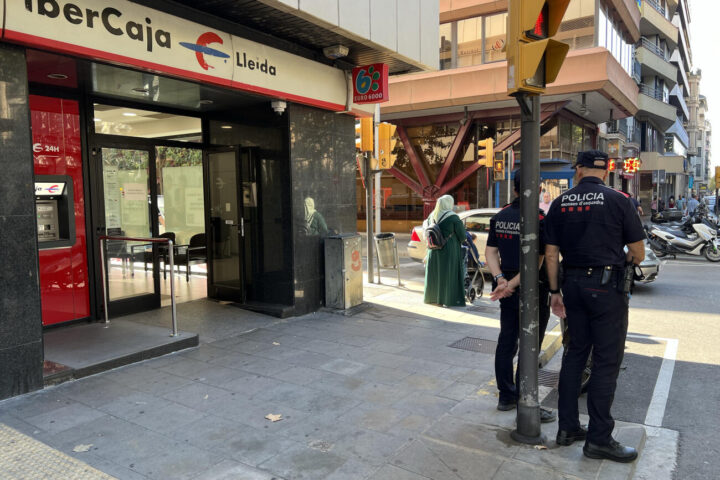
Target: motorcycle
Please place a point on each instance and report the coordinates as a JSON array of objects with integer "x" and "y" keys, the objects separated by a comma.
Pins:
[{"x": 697, "y": 236}]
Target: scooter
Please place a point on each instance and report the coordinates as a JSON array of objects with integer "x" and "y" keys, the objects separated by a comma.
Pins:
[{"x": 701, "y": 240}]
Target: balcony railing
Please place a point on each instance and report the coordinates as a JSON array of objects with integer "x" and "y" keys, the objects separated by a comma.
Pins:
[
  {"x": 655, "y": 93},
  {"x": 618, "y": 127},
  {"x": 637, "y": 72},
  {"x": 656, "y": 6},
  {"x": 644, "y": 42}
]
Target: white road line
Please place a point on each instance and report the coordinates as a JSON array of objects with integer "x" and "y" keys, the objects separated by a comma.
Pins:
[{"x": 656, "y": 409}]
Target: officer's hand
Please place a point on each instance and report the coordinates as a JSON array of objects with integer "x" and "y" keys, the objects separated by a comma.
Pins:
[
  {"x": 557, "y": 306},
  {"x": 502, "y": 291}
]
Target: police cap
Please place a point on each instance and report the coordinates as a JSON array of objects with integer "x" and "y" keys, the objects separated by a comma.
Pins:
[{"x": 592, "y": 159}]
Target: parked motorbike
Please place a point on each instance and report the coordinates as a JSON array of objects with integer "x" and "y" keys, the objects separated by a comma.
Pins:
[{"x": 696, "y": 236}]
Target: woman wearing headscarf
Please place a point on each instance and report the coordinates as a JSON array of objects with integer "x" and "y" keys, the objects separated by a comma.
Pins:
[
  {"x": 444, "y": 282},
  {"x": 314, "y": 222}
]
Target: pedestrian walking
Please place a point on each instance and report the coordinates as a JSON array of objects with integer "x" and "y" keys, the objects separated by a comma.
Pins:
[
  {"x": 589, "y": 226},
  {"x": 444, "y": 281},
  {"x": 681, "y": 203},
  {"x": 692, "y": 204},
  {"x": 503, "y": 259}
]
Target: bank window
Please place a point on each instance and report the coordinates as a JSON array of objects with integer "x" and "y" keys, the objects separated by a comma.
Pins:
[
  {"x": 445, "y": 46},
  {"x": 495, "y": 29},
  {"x": 133, "y": 122},
  {"x": 469, "y": 42}
]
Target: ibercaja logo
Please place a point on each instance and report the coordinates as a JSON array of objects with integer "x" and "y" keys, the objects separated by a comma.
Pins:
[
  {"x": 370, "y": 83},
  {"x": 201, "y": 48}
]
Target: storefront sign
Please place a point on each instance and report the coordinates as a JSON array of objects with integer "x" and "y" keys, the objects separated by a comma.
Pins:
[
  {"x": 370, "y": 83},
  {"x": 130, "y": 34},
  {"x": 45, "y": 189}
]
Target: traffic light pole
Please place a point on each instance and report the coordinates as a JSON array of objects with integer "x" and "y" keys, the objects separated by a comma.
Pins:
[
  {"x": 528, "y": 408},
  {"x": 369, "y": 219}
]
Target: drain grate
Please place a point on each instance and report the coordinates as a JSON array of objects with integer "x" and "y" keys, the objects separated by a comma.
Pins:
[
  {"x": 548, "y": 378},
  {"x": 472, "y": 344}
]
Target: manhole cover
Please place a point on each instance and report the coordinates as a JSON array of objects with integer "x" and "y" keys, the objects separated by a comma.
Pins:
[
  {"x": 472, "y": 344},
  {"x": 548, "y": 378}
]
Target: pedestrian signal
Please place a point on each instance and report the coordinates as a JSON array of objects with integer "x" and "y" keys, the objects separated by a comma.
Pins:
[
  {"x": 499, "y": 166},
  {"x": 386, "y": 144}
]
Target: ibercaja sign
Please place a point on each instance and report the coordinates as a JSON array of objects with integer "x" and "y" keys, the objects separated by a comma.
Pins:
[{"x": 370, "y": 83}]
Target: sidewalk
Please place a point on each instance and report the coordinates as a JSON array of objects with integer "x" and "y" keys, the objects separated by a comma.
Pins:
[{"x": 379, "y": 395}]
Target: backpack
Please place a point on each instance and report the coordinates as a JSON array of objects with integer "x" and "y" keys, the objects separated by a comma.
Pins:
[{"x": 434, "y": 238}]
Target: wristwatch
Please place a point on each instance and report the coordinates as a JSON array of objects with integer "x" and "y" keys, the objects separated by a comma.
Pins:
[
  {"x": 552, "y": 292},
  {"x": 499, "y": 275}
]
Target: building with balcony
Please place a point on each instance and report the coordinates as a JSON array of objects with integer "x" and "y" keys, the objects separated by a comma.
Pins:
[
  {"x": 441, "y": 115},
  {"x": 699, "y": 132}
]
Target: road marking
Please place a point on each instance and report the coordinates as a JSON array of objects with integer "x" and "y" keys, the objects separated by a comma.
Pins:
[{"x": 656, "y": 409}]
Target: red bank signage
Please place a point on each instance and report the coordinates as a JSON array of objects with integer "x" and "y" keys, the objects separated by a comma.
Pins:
[{"x": 370, "y": 83}]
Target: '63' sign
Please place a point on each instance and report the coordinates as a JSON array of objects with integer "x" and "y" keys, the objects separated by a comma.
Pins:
[{"x": 370, "y": 83}]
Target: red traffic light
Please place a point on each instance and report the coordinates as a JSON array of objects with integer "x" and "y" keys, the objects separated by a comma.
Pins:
[
  {"x": 541, "y": 26},
  {"x": 612, "y": 165}
]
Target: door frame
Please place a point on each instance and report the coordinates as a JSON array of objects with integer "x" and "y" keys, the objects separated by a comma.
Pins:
[
  {"x": 214, "y": 291},
  {"x": 139, "y": 303}
]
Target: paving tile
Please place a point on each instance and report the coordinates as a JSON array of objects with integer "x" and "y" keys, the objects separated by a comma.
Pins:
[
  {"x": 165, "y": 417},
  {"x": 353, "y": 469},
  {"x": 250, "y": 384},
  {"x": 205, "y": 353},
  {"x": 217, "y": 375},
  {"x": 512, "y": 470},
  {"x": 368, "y": 446},
  {"x": 487, "y": 438},
  {"x": 381, "y": 394},
  {"x": 232, "y": 360},
  {"x": 232, "y": 470},
  {"x": 379, "y": 419},
  {"x": 299, "y": 375},
  {"x": 388, "y": 347},
  {"x": 389, "y": 472},
  {"x": 130, "y": 404},
  {"x": 35, "y": 403},
  {"x": 184, "y": 367},
  {"x": 458, "y": 391},
  {"x": 264, "y": 366},
  {"x": 63, "y": 418},
  {"x": 344, "y": 367},
  {"x": 338, "y": 384},
  {"x": 445, "y": 462},
  {"x": 424, "y": 404},
  {"x": 103, "y": 433},
  {"x": 425, "y": 383},
  {"x": 253, "y": 447},
  {"x": 164, "y": 383},
  {"x": 411, "y": 425},
  {"x": 255, "y": 416},
  {"x": 176, "y": 461},
  {"x": 304, "y": 463},
  {"x": 388, "y": 376},
  {"x": 196, "y": 395},
  {"x": 93, "y": 391}
]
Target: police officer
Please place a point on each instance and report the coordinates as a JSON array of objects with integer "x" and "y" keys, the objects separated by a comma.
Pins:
[
  {"x": 589, "y": 225},
  {"x": 503, "y": 258}
]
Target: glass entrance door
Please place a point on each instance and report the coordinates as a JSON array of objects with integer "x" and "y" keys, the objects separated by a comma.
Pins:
[
  {"x": 122, "y": 178},
  {"x": 225, "y": 225}
]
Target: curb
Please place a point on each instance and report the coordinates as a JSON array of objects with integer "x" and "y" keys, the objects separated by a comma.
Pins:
[{"x": 552, "y": 343}]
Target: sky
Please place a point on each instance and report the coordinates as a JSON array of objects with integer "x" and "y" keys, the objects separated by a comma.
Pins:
[{"x": 705, "y": 47}]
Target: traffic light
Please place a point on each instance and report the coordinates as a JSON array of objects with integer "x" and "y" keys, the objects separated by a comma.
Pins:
[
  {"x": 485, "y": 151},
  {"x": 499, "y": 166},
  {"x": 364, "y": 135},
  {"x": 717, "y": 177},
  {"x": 631, "y": 165},
  {"x": 386, "y": 145},
  {"x": 612, "y": 165},
  {"x": 533, "y": 58}
]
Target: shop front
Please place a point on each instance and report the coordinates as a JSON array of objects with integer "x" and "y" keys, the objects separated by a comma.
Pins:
[{"x": 128, "y": 123}]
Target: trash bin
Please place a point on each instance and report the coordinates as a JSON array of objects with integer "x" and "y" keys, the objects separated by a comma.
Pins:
[
  {"x": 343, "y": 271},
  {"x": 386, "y": 250}
]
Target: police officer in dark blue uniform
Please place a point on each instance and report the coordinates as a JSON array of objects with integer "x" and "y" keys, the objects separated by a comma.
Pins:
[
  {"x": 503, "y": 259},
  {"x": 589, "y": 225}
]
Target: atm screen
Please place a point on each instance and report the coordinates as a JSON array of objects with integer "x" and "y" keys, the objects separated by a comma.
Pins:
[{"x": 47, "y": 220}]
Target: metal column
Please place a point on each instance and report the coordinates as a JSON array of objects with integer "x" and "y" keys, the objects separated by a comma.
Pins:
[{"x": 528, "y": 409}]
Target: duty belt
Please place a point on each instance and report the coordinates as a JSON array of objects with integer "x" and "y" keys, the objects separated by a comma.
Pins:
[{"x": 589, "y": 271}]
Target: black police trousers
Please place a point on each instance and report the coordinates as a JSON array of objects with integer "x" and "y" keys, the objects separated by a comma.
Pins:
[
  {"x": 507, "y": 346},
  {"x": 597, "y": 317}
]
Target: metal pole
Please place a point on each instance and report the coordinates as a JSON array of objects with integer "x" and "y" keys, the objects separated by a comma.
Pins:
[
  {"x": 171, "y": 250},
  {"x": 528, "y": 409},
  {"x": 104, "y": 279},
  {"x": 378, "y": 176},
  {"x": 369, "y": 219}
]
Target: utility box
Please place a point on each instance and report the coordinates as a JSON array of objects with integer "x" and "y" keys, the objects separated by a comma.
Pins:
[{"x": 343, "y": 271}]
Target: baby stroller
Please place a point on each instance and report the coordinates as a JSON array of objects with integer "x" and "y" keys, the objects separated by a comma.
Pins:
[{"x": 474, "y": 280}]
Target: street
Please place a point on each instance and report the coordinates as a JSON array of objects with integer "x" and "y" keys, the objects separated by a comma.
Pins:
[{"x": 679, "y": 306}]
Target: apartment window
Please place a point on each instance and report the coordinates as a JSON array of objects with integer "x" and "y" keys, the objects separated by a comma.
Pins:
[
  {"x": 495, "y": 30},
  {"x": 578, "y": 26},
  {"x": 610, "y": 36},
  {"x": 478, "y": 40}
]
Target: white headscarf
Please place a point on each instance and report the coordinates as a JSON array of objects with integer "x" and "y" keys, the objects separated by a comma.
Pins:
[
  {"x": 444, "y": 204},
  {"x": 309, "y": 210}
]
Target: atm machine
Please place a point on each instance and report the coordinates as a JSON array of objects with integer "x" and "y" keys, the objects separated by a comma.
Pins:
[{"x": 54, "y": 206}]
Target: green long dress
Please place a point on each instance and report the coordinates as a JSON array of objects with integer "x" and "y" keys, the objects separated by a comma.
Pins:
[{"x": 444, "y": 283}]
